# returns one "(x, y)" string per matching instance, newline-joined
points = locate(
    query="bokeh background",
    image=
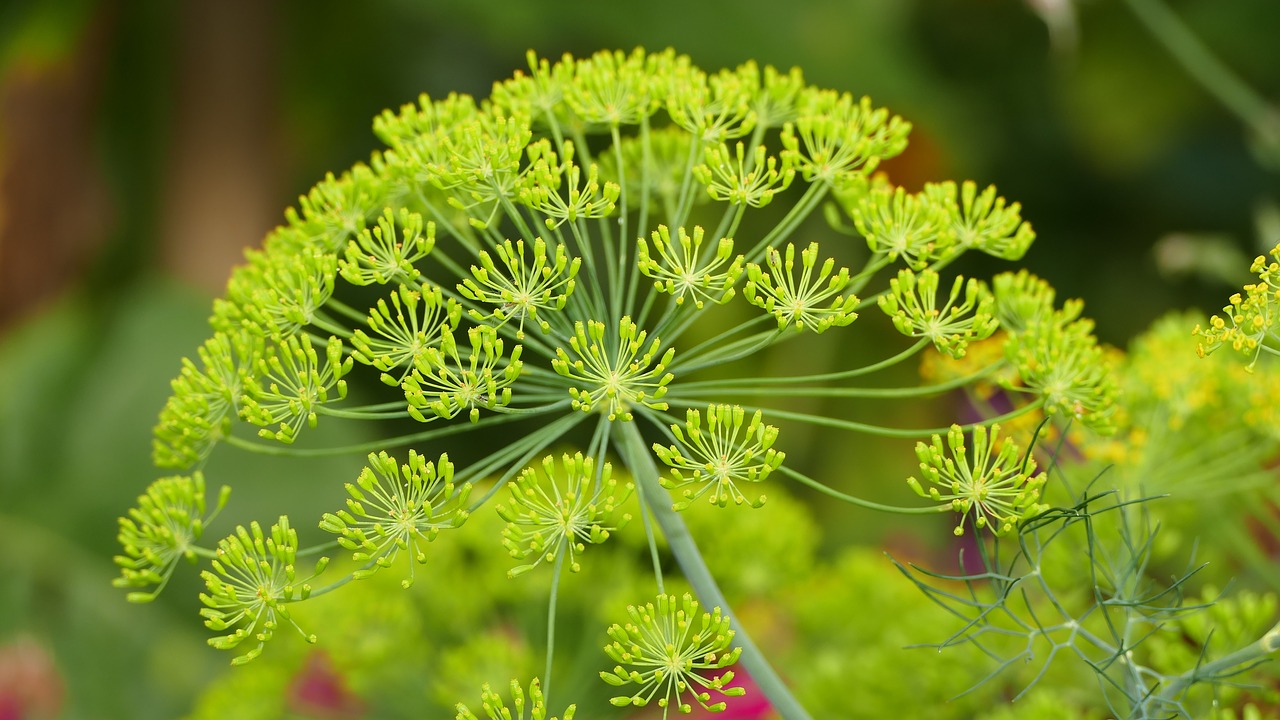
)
(145, 143)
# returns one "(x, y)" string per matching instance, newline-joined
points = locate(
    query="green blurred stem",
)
(825, 377)
(1212, 74)
(635, 453)
(854, 500)
(650, 537)
(326, 589)
(203, 552)
(685, 203)
(349, 312)
(320, 321)
(720, 339)
(874, 265)
(728, 353)
(530, 445)
(314, 549)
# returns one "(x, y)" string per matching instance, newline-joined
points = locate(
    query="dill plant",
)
(1108, 575)
(585, 258)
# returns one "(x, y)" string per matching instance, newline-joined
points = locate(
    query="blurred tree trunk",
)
(221, 160)
(54, 212)
(223, 189)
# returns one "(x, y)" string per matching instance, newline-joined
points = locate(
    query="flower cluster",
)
(1054, 352)
(995, 488)
(679, 274)
(1061, 363)
(712, 461)
(666, 649)
(389, 511)
(614, 376)
(206, 398)
(578, 259)
(814, 301)
(912, 303)
(1250, 325)
(550, 524)
(250, 586)
(163, 529)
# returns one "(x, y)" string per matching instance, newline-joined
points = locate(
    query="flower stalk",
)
(638, 459)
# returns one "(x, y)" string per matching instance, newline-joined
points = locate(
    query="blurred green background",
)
(145, 143)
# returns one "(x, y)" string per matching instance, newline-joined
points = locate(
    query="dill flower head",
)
(600, 254)
(666, 649)
(163, 529)
(1250, 323)
(555, 514)
(394, 509)
(994, 486)
(712, 461)
(251, 584)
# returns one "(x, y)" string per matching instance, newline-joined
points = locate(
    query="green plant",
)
(602, 256)
(1095, 578)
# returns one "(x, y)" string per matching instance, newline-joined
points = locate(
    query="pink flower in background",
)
(752, 706)
(30, 685)
(319, 691)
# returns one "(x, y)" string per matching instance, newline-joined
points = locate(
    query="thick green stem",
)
(1254, 652)
(636, 455)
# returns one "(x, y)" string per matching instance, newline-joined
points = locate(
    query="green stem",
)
(453, 428)
(874, 265)
(720, 339)
(854, 500)
(320, 321)
(685, 202)
(1257, 650)
(731, 383)
(728, 224)
(530, 445)
(592, 303)
(752, 386)
(326, 589)
(650, 537)
(514, 214)
(735, 350)
(351, 313)
(313, 550)
(642, 223)
(868, 428)
(805, 205)
(357, 414)
(639, 460)
(204, 552)
(1207, 69)
(551, 626)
